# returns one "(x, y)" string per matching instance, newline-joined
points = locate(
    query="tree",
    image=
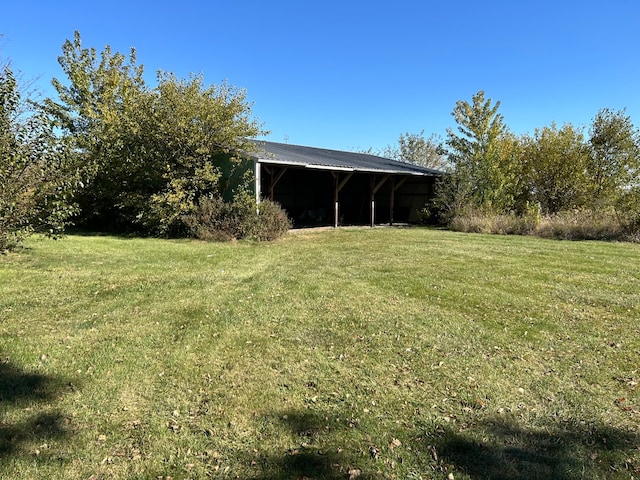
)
(614, 160)
(199, 137)
(416, 149)
(513, 172)
(36, 176)
(481, 167)
(153, 152)
(98, 114)
(557, 161)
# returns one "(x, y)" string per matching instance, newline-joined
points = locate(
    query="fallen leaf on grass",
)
(434, 453)
(354, 472)
(395, 443)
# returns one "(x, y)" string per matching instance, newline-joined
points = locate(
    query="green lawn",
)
(350, 353)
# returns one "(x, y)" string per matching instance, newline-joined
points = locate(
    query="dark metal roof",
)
(320, 158)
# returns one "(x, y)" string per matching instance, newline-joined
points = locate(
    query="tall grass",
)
(572, 225)
(355, 353)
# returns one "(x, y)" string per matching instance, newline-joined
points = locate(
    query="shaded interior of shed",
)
(309, 195)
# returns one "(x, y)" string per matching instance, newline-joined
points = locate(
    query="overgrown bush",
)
(273, 221)
(217, 220)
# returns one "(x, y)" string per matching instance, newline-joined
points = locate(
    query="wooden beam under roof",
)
(338, 185)
(275, 175)
(374, 189)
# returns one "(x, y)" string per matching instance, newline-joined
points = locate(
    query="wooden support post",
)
(373, 202)
(394, 187)
(258, 184)
(374, 189)
(392, 199)
(336, 190)
(337, 186)
(275, 179)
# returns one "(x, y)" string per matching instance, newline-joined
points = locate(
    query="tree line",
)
(113, 153)
(491, 171)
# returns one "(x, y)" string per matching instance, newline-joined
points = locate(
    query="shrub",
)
(217, 220)
(273, 221)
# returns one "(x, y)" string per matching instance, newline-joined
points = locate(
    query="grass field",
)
(350, 353)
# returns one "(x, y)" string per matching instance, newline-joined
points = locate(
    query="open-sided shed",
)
(317, 186)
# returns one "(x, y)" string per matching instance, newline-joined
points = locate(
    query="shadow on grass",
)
(22, 394)
(313, 458)
(493, 449)
(502, 450)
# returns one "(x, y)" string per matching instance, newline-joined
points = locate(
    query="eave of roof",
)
(335, 160)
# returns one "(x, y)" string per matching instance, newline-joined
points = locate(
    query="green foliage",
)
(99, 112)
(496, 175)
(154, 152)
(565, 171)
(36, 176)
(273, 221)
(416, 149)
(481, 155)
(614, 163)
(199, 135)
(450, 198)
(557, 161)
(217, 220)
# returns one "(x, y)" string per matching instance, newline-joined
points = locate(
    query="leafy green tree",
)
(153, 152)
(98, 112)
(199, 138)
(512, 167)
(557, 161)
(36, 176)
(416, 149)
(614, 162)
(481, 168)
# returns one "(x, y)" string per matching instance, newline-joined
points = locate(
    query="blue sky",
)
(352, 75)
